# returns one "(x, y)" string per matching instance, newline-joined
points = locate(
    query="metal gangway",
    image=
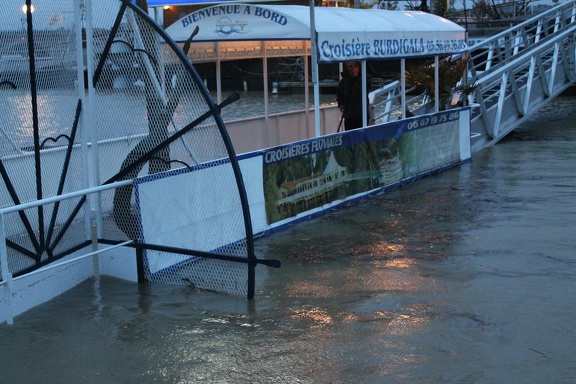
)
(518, 71)
(511, 75)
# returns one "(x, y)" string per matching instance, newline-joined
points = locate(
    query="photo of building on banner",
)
(309, 174)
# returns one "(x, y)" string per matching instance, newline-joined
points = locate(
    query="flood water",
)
(467, 276)
(56, 112)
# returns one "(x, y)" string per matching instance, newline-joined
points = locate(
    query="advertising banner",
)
(333, 46)
(342, 34)
(306, 175)
(229, 22)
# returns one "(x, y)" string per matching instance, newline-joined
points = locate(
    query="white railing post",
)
(89, 116)
(364, 94)
(436, 84)
(500, 108)
(80, 67)
(314, 57)
(517, 42)
(538, 31)
(531, 74)
(6, 275)
(490, 56)
(554, 67)
(403, 87)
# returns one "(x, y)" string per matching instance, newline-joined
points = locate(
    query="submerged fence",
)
(94, 93)
(13, 260)
(135, 128)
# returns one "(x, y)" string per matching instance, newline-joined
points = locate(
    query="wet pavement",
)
(467, 276)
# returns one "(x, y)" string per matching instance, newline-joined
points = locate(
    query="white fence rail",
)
(6, 272)
(514, 73)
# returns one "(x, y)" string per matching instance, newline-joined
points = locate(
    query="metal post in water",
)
(6, 275)
(90, 113)
(95, 247)
(80, 65)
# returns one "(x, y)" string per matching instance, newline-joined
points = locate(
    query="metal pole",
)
(35, 120)
(314, 55)
(90, 113)
(466, 71)
(6, 275)
(140, 266)
(266, 101)
(306, 87)
(78, 5)
(364, 96)
(436, 84)
(403, 86)
(219, 81)
(465, 17)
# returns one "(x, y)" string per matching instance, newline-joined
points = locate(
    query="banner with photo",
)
(302, 176)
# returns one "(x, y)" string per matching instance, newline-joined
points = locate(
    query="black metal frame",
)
(214, 111)
(48, 238)
(35, 122)
(41, 242)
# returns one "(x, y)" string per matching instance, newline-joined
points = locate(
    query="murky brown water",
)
(468, 276)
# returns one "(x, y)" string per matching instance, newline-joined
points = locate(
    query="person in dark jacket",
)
(349, 95)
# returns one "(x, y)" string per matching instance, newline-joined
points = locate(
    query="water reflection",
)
(385, 248)
(318, 317)
(56, 112)
(400, 263)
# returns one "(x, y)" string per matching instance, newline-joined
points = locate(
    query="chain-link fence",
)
(94, 92)
(41, 130)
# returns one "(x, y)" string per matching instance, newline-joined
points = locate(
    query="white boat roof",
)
(342, 33)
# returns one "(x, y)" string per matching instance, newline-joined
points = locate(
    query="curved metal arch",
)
(55, 139)
(214, 111)
(135, 49)
(8, 83)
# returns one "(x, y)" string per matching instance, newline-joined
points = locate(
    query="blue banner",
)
(308, 174)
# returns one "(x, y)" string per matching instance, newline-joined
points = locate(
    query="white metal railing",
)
(519, 70)
(497, 50)
(514, 73)
(6, 274)
(386, 102)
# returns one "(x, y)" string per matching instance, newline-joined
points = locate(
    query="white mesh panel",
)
(45, 101)
(137, 94)
(187, 196)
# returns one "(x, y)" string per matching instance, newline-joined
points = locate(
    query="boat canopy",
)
(342, 33)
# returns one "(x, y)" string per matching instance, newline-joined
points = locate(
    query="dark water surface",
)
(468, 276)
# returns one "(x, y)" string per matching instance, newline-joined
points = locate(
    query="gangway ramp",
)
(519, 70)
